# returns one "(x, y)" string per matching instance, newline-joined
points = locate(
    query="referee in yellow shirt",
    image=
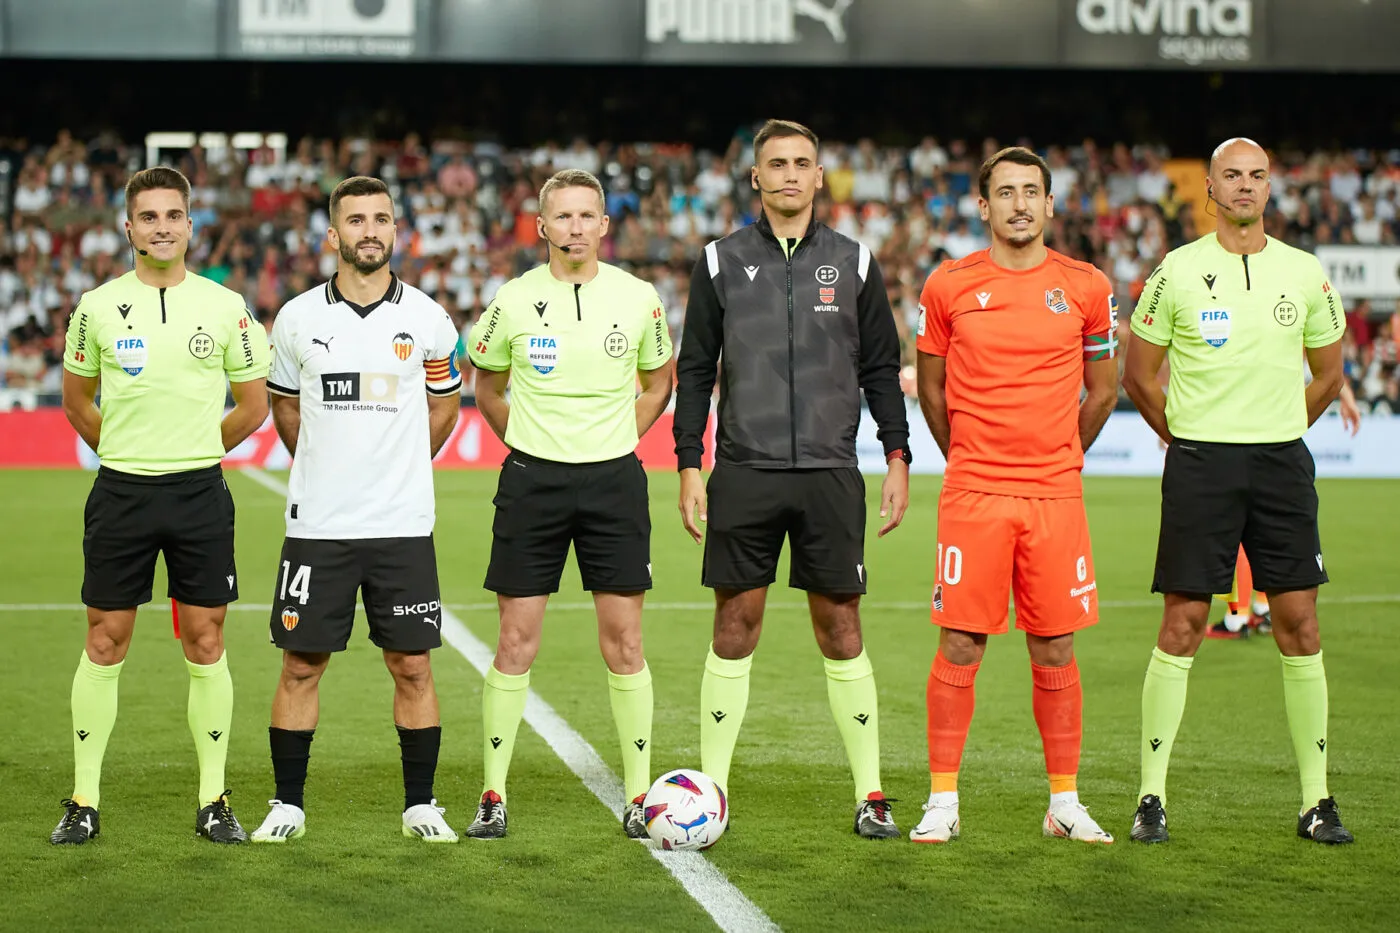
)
(1234, 311)
(572, 339)
(165, 345)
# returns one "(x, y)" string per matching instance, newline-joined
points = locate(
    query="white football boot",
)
(283, 822)
(425, 821)
(1066, 820)
(940, 820)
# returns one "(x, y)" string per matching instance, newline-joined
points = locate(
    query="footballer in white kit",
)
(366, 389)
(360, 509)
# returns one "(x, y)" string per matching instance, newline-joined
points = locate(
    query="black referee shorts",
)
(751, 512)
(129, 519)
(542, 506)
(1217, 496)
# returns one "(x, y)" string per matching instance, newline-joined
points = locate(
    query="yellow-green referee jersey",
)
(573, 352)
(1236, 327)
(165, 356)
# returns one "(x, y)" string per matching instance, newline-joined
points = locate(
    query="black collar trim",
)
(392, 295)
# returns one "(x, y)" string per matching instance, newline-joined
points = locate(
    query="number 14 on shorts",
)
(296, 584)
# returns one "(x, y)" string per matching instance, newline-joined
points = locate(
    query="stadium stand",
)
(467, 220)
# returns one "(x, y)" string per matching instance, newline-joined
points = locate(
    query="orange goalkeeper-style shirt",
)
(1015, 344)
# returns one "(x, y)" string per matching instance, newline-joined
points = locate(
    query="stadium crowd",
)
(467, 221)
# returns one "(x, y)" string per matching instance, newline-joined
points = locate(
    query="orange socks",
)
(950, 701)
(1058, 701)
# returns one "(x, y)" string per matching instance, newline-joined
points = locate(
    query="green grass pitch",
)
(1234, 861)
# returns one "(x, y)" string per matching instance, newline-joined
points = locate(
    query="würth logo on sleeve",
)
(827, 295)
(403, 345)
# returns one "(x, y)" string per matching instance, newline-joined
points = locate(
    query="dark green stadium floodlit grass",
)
(1233, 863)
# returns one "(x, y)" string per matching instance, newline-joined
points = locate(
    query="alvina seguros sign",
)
(1193, 32)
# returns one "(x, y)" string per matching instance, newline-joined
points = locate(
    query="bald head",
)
(1236, 145)
(1238, 181)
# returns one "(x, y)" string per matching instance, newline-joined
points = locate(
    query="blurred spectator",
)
(468, 220)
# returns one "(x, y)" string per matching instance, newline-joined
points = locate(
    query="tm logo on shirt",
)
(543, 353)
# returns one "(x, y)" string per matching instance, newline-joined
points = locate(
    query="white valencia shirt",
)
(363, 466)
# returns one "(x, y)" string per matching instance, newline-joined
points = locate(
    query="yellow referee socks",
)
(850, 688)
(210, 715)
(1305, 699)
(724, 698)
(94, 714)
(1163, 703)
(502, 706)
(631, 708)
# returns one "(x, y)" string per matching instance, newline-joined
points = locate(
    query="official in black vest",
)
(801, 317)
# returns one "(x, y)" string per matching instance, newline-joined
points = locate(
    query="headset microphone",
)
(1210, 193)
(562, 249)
(134, 246)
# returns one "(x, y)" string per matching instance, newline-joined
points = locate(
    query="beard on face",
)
(351, 254)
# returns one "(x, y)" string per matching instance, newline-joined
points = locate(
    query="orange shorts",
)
(990, 545)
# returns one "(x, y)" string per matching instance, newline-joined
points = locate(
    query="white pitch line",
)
(716, 895)
(264, 479)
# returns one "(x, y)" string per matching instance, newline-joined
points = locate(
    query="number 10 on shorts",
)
(949, 569)
(297, 584)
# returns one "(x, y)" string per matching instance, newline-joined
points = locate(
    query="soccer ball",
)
(685, 810)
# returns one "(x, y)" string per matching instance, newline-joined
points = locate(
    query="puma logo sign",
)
(431, 621)
(215, 735)
(82, 735)
(752, 271)
(830, 17)
(863, 718)
(983, 298)
(325, 343)
(495, 741)
(719, 716)
(1155, 743)
(1322, 745)
(641, 744)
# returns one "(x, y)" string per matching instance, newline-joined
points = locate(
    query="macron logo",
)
(752, 271)
(983, 298)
